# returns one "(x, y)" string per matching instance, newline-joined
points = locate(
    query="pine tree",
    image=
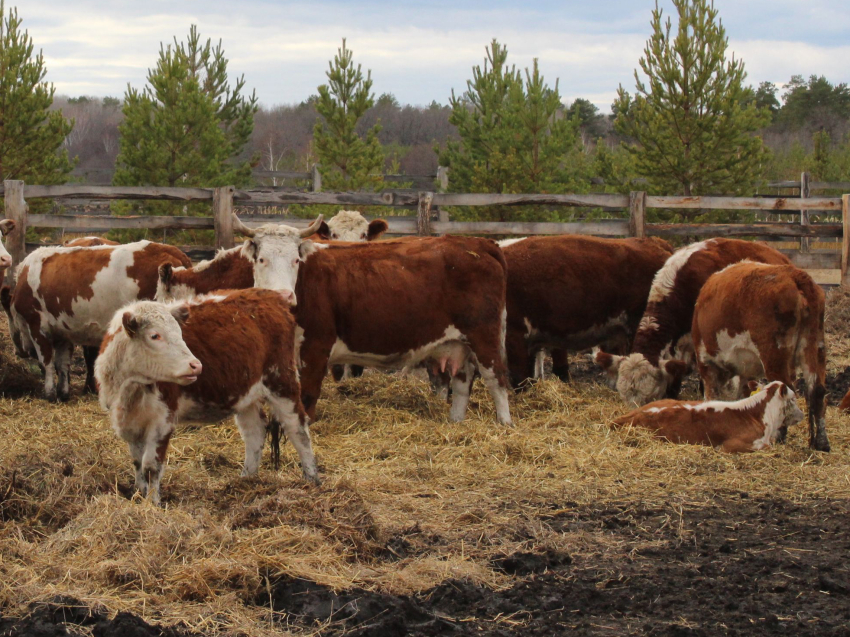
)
(515, 136)
(694, 123)
(31, 136)
(188, 126)
(347, 160)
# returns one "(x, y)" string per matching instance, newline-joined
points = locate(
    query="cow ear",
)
(377, 227)
(753, 386)
(249, 249)
(180, 313)
(324, 231)
(6, 226)
(676, 369)
(306, 249)
(131, 324)
(6, 298)
(165, 273)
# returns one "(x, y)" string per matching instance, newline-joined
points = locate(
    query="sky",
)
(418, 51)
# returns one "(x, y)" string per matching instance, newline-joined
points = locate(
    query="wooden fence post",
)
(637, 214)
(804, 214)
(16, 210)
(222, 208)
(423, 216)
(442, 186)
(845, 240)
(317, 179)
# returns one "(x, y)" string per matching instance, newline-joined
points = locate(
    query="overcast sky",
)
(419, 51)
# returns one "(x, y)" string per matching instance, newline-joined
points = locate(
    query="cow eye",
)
(334, 236)
(262, 260)
(363, 236)
(156, 337)
(295, 261)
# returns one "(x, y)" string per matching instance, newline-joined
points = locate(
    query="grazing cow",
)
(748, 424)
(649, 373)
(572, 292)
(219, 354)
(390, 304)
(754, 320)
(67, 296)
(89, 353)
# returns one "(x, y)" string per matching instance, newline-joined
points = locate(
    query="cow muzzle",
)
(5, 261)
(190, 377)
(288, 296)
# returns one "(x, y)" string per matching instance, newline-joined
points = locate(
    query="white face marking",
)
(504, 243)
(277, 252)
(348, 225)
(665, 278)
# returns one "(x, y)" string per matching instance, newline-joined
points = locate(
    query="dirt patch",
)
(737, 567)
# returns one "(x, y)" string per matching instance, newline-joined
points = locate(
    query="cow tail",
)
(274, 441)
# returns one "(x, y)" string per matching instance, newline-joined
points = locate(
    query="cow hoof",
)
(313, 479)
(64, 398)
(90, 389)
(51, 398)
(821, 445)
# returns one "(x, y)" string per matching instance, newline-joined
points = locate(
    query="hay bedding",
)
(445, 525)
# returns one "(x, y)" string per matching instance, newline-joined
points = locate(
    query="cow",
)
(6, 226)
(572, 292)
(89, 353)
(222, 354)
(350, 225)
(391, 305)
(67, 296)
(754, 320)
(662, 353)
(748, 424)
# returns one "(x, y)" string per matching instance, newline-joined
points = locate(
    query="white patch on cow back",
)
(648, 323)
(504, 243)
(665, 278)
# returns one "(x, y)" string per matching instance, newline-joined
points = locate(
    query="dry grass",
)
(394, 467)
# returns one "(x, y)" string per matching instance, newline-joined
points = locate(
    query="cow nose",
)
(5, 261)
(196, 366)
(288, 296)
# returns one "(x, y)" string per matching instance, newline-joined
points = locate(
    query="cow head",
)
(277, 251)
(639, 381)
(782, 410)
(145, 344)
(350, 225)
(6, 226)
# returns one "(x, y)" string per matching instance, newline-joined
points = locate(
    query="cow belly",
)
(342, 354)
(612, 333)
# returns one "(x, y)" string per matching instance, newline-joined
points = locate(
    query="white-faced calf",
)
(230, 353)
(748, 424)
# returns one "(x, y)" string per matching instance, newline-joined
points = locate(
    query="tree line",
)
(690, 124)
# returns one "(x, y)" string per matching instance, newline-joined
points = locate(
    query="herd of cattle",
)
(258, 326)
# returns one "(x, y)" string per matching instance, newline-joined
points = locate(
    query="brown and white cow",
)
(650, 371)
(350, 225)
(754, 320)
(573, 292)
(391, 305)
(219, 354)
(67, 296)
(6, 226)
(748, 424)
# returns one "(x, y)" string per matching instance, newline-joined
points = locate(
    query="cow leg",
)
(62, 363)
(710, 375)
(815, 375)
(149, 452)
(137, 452)
(90, 356)
(45, 357)
(338, 372)
(252, 427)
(356, 370)
(540, 364)
(461, 388)
(560, 365)
(440, 382)
(296, 430)
(314, 362)
(499, 392)
(489, 351)
(519, 361)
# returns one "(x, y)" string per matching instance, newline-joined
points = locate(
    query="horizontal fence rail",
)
(426, 218)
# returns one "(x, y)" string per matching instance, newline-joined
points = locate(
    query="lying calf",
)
(748, 424)
(233, 354)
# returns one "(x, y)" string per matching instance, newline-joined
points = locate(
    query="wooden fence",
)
(423, 223)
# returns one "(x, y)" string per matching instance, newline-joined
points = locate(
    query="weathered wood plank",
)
(280, 174)
(487, 199)
(16, 210)
(101, 223)
(423, 215)
(119, 192)
(814, 260)
(222, 209)
(743, 203)
(387, 198)
(743, 230)
(845, 241)
(612, 228)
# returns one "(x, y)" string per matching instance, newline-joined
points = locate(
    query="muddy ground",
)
(738, 567)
